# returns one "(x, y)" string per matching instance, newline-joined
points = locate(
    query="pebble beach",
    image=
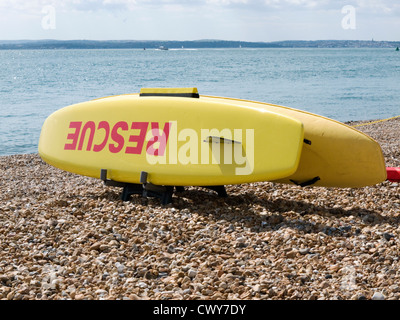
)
(65, 236)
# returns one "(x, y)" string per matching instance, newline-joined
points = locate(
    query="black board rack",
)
(147, 189)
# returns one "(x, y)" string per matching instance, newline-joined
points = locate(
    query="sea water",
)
(342, 84)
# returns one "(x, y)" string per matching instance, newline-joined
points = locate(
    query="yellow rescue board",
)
(334, 155)
(175, 136)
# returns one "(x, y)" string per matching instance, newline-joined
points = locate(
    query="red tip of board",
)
(393, 174)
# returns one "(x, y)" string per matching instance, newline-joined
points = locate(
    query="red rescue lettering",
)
(116, 138)
(102, 125)
(157, 137)
(73, 136)
(139, 139)
(88, 125)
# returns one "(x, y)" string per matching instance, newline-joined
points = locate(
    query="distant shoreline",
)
(195, 44)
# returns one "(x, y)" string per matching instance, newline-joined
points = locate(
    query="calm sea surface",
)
(342, 84)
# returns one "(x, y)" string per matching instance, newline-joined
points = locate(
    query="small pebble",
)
(304, 251)
(378, 296)
(387, 236)
(192, 273)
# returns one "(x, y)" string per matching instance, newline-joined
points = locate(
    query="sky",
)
(243, 20)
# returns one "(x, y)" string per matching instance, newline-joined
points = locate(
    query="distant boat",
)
(162, 48)
(397, 49)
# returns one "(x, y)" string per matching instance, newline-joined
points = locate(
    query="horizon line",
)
(221, 40)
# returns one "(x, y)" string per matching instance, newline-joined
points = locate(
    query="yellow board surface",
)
(336, 155)
(179, 141)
